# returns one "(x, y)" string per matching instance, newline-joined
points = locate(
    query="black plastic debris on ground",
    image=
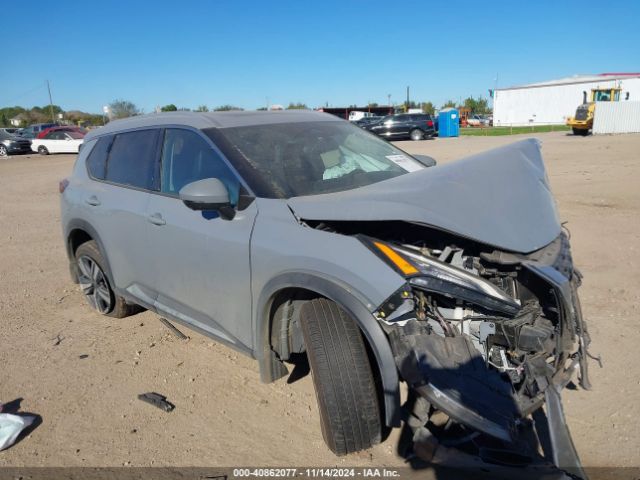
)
(157, 400)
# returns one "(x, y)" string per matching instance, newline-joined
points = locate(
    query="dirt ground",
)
(224, 416)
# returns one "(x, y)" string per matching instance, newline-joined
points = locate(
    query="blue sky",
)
(341, 52)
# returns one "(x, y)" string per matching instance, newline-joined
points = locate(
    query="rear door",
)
(401, 125)
(200, 264)
(125, 168)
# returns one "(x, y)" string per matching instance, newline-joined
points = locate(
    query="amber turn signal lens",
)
(404, 266)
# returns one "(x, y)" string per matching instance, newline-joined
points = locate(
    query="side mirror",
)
(426, 160)
(208, 194)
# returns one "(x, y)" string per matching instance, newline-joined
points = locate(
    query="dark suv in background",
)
(416, 126)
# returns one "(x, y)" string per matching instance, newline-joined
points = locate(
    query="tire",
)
(350, 415)
(95, 284)
(3, 151)
(42, 150)
(416, 134)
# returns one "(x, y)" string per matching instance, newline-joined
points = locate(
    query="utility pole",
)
(407, 109)
(389, 99)
(53, 120)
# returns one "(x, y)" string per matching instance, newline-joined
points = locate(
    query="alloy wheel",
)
(94, 285)
(3, 151)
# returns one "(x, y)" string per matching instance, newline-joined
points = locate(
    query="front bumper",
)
(17, 149)
(451, 374)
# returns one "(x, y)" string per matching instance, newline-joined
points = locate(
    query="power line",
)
(8, 102)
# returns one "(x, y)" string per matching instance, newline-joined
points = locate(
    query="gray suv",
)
(296, 236)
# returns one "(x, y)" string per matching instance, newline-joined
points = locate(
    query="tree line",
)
(28, 116)
(475, 105)
(124, 108)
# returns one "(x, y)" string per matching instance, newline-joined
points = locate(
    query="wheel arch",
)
(78, 232)
(271, 368)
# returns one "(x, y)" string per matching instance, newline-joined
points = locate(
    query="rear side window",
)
(133, 160)
(97, 161)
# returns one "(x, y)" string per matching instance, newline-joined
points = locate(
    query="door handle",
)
(156, 219)
(93, 201)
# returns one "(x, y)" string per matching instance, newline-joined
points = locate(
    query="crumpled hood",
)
(500, 198)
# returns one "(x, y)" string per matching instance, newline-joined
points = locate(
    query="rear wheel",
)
(95, 286)
(3, 151)
(42, 150)
(416, 134)
(343, 378)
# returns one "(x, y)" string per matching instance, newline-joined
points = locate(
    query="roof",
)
(203, 120)
(602, 77)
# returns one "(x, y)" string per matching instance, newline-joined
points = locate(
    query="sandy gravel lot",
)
(224, 416)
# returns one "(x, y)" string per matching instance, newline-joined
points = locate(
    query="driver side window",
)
(187, 157)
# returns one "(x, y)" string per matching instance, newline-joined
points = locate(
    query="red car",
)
(68, 128)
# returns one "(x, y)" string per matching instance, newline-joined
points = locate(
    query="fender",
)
(270, 366)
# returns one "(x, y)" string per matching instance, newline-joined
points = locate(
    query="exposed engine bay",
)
(484, 336)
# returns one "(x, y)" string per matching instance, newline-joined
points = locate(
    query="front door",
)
(200, 261)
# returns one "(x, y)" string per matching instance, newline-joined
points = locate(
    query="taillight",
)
(429, 123)
(62, 186)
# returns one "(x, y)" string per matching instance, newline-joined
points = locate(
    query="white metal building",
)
(553, 101)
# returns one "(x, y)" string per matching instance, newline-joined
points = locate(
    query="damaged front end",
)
(487, 328)
(485, 338)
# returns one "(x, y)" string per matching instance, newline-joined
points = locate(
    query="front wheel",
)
(3, 151)
(42, 150)
(343, 378)
(416, 134)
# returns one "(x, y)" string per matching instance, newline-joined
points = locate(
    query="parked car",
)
(58, 142)
(477, 121)
(285, 234)
(10, 144)
(368, 120)
(66, 128)
(415, 126)
(356, 115)
(32, 131)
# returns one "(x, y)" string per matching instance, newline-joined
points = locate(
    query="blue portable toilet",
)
(449, 123)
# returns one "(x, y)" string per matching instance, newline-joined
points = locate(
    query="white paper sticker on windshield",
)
(405, 162)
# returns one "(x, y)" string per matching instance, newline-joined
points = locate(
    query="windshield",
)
(295, 159)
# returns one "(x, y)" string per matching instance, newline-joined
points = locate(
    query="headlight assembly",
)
(435, 276)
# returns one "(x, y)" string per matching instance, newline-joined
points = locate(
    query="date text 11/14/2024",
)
(316, 472)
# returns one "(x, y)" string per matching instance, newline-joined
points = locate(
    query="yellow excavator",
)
(583, 121)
